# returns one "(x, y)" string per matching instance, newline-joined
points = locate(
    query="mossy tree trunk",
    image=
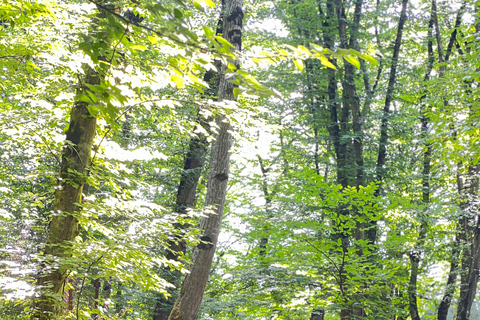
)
(64, 226)
(67, 206)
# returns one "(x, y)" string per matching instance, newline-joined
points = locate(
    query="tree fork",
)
(193, 287)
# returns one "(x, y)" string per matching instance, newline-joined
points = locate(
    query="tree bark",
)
(185, 199)
(193, 287)
(416, 252)
(471, 236)
(456, 249)
(68, 196)
(67, 206)
(318, 314)
(74, 168)
(187, 191)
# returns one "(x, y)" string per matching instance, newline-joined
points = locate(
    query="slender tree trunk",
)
(186, 195)
(193, 287)
(318, 314)
(456, 248)
(416, 253)
(382, 149)
(451, 280)
(471, 254)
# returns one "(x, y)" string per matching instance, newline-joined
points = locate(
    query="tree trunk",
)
(471, 253)
(187, 191)
(382, 149)
(67, 208)
(185, 199)
(75, 163)
(193, 287)
(318, 314)
(416, 253)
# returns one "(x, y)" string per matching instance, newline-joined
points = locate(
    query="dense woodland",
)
(240, 159)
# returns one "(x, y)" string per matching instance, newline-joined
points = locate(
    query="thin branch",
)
(119, 16)
(324, 254)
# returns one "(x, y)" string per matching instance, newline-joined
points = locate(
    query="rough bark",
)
(471, 252)
(456, 249)
(470, 224)
(418, 248)
(186, 194)
(185, 199)
(74, 168)
(318, 315)
(350, 96)
(67, 206)
(193, 287)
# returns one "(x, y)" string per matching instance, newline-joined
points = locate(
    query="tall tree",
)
(193, 287)
(68, 195)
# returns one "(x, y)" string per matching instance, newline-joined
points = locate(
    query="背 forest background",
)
(351, 192)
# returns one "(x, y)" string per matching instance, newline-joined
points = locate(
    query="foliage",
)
(287, 248)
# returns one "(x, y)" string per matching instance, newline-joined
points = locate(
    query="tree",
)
(193, 287)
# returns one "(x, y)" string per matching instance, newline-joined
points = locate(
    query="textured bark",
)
(186, 195)
(318, 315)
(451, 280)
(67, 208)
(76, 158)
(470, 228)
(412, 286)
(419, 244)
(193, 287)
(185, 199)
(471, 223)
(350, 96)
(456, 249)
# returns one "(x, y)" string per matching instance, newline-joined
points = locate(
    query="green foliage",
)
(289, 244)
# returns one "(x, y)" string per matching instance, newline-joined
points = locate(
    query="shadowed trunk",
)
(371, 233)
(185, 199)
(75, 163)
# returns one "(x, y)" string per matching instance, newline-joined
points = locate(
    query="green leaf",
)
(178, 81)
(198, 6)
(236, 92)
(316, 47)
(353, 61)
(139, 47)
(224, 42)
(178, 14)
(209, 3)
(299, 64)
(208, 32)
(354, 52)
(369, 59)
(153, 39)
(326, 62)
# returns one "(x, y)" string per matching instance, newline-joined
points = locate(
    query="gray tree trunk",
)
(193, 287)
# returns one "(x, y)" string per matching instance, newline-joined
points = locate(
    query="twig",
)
(325, 255)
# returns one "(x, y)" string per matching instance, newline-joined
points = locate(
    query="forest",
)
(240, 159)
